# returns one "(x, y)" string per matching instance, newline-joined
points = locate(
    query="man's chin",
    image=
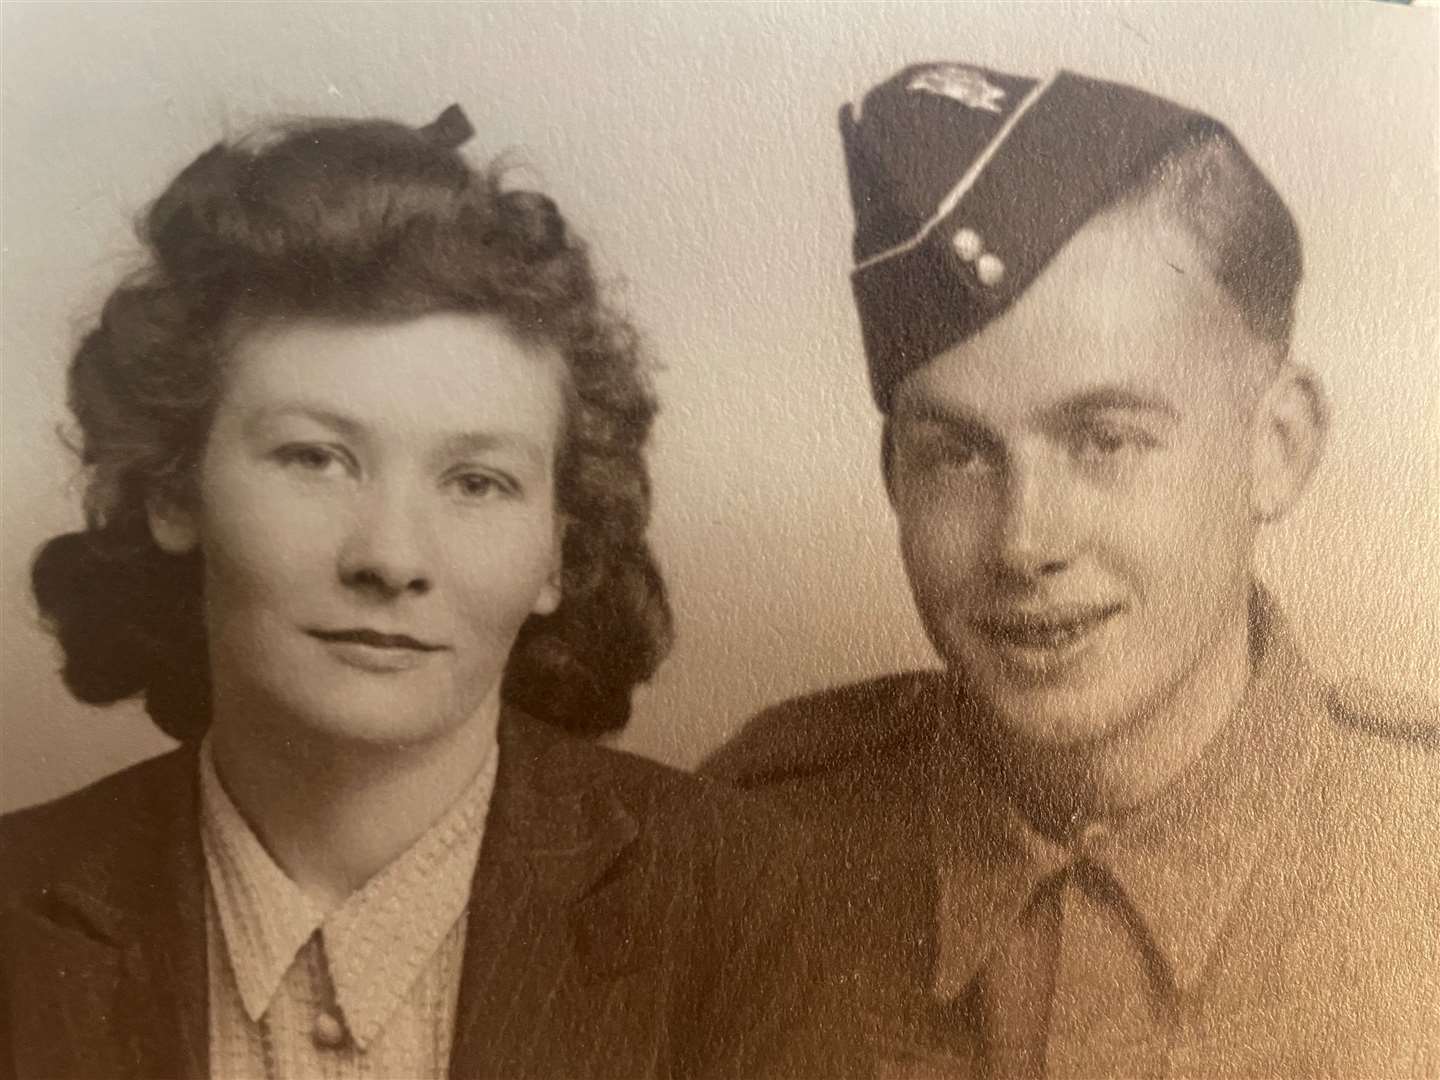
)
(1051, 718)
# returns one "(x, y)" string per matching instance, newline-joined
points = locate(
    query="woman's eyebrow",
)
(345, 425)
(481, 442)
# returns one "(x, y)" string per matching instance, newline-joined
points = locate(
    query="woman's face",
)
(376, 512)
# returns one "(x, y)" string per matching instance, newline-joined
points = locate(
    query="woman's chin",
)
(369, 723)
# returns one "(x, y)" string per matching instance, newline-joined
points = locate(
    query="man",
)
(1126, 832)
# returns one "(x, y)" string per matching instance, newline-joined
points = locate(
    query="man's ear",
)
(1292, 422)
(172, 527)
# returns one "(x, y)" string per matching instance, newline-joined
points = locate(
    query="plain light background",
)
(697, 148)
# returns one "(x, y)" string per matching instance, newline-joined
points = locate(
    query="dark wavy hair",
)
(349, 219)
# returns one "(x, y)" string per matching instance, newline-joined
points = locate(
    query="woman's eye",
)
(309, 457)
(483, 485)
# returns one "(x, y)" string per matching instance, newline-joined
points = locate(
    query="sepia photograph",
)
(658, 540)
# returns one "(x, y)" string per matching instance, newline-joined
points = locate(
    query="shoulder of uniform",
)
(1389, 747)
(667, 802)
(1385, 771)
(1403, 719)
(818, 732)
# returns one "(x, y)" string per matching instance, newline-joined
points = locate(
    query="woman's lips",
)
(377, 652)
(376, 638)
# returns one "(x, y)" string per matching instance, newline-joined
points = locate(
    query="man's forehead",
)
(1127, 305)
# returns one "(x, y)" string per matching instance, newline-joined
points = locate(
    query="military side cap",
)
(966, 182)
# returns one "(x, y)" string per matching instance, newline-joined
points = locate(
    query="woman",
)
(365, 528)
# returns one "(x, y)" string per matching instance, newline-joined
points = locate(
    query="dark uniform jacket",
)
(626, 920)
(1284, 892)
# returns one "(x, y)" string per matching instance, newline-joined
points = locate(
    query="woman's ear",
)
(553, 590)
(549, 596)
(1292, 421)
(172, 527)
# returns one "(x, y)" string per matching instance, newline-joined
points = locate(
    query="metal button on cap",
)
(328, 1032)
(967, 244)
(989, 269)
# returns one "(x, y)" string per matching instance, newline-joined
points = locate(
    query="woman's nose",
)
(384, 552)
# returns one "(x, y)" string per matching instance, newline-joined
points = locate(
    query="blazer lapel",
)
(540, 898)
(170, 972)
(110, 957)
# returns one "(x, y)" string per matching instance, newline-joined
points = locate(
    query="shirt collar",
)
(377, 942)
(1182, 860)
(989, 859)
(265, 917)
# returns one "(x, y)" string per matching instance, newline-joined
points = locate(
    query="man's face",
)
(1073, 485)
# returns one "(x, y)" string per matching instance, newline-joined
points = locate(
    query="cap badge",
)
(959, 83)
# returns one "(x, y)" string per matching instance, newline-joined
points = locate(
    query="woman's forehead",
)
(446, 371)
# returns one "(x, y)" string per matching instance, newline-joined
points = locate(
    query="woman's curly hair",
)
(351, 219)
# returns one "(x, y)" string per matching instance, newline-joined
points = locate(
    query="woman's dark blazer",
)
(626, 920)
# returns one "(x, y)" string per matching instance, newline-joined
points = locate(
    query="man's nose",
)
(384, 551)
(1035, 533)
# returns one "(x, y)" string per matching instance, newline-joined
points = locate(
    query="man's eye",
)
(947, 454)
(1104, 442)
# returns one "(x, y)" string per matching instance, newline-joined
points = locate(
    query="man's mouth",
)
(1045, 630)
(375, 639)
